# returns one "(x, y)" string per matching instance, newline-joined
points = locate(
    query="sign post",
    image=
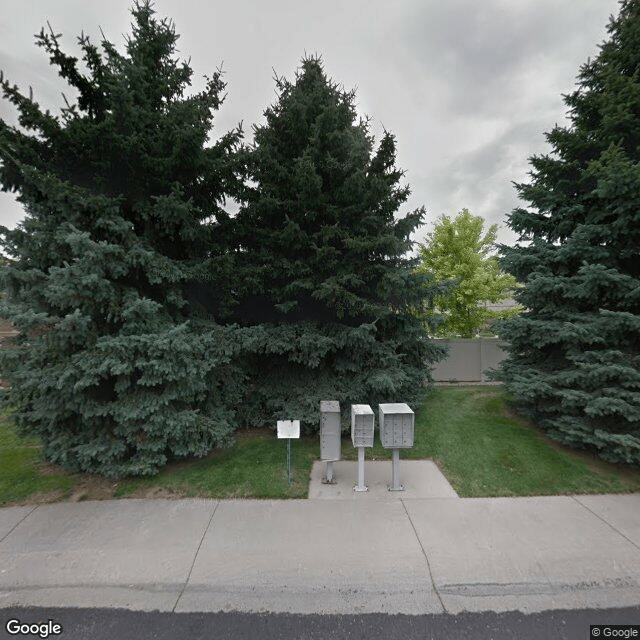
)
(288, 429)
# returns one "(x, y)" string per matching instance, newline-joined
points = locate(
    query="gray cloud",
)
(468, 88)
(484, 58)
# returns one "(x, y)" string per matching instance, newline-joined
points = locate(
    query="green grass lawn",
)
(481, 448)
(20, 473)
(485, 451)
(256, 467)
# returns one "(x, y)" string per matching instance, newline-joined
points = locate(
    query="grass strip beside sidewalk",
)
(21, 474)
(482, 449)
(256, 467)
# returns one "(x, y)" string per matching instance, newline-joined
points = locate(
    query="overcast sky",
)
(467, 86)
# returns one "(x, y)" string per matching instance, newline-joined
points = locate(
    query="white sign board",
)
(288, 428)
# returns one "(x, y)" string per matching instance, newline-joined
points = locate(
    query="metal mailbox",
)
(330, 431)
(362, 425)
(396, 425)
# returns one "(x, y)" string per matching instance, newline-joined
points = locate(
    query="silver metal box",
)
(396, 425)
(330, 431)
(362, 425)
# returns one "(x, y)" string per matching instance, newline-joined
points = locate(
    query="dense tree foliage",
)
(152, 324)
(321, 270)
(574, 360)
(459, 250)
(114, 369)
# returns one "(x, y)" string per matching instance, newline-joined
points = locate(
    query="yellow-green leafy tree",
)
(460, 250)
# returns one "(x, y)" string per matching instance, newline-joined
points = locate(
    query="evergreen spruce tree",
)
(117, 368)
(324, 289)
(574, 362)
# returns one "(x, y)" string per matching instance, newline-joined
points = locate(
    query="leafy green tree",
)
(574, 362)
(117, 368)
(460, 251)
(323, 285)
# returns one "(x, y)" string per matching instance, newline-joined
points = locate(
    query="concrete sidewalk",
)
(404, 553)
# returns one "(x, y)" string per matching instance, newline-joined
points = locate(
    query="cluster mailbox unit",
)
(396, 421)
(330, 436)
(362, 429)
(396, 432)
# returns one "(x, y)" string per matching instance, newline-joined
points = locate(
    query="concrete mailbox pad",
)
(422, 479)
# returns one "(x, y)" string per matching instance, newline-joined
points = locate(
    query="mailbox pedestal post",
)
(395, 471)
(361, 486)
(328, 479)
(396, 432)
(362, 427)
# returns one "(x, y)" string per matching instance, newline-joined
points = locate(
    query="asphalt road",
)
(120, 624)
